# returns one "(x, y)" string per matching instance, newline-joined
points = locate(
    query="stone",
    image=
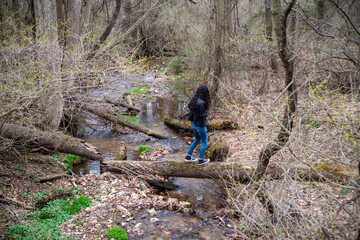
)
(173, 200)
(152, 212)
(138, 225)
(188, 210)
(154, 220)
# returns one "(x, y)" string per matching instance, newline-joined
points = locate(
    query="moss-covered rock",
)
(122, 154)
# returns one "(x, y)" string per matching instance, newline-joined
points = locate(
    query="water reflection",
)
(87, 167)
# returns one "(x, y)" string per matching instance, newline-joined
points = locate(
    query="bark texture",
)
(73, 14)
(185, 125)
(52, 141)
(241, 172)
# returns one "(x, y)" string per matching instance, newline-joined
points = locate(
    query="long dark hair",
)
(203, 93)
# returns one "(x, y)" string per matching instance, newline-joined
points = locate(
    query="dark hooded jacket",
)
(199, 115)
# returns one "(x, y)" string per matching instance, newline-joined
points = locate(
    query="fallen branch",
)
(52, 177)
(52, 141)
(242, 172)
(125, 122)
(118, 103)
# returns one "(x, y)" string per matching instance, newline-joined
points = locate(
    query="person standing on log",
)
(199, 105)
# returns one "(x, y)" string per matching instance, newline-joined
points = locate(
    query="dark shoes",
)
(190, 159)
(203, 161)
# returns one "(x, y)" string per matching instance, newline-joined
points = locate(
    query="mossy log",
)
(185, 125)
(119, 103)
(125, 122)
(52, 141)
(242, 172)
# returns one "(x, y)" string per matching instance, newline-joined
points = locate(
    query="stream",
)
(205, 195)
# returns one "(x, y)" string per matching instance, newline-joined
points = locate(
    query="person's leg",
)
(202, 131)
(196, 141)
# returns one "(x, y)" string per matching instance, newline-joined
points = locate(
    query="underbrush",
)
(44, 223)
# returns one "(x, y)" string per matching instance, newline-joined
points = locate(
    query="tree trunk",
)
(185, 125)
(269, 29)
(107, 31)
(280, 21)
(123, 121)
(241, 172)
(136, 24)
(126, 21)
(218, 55)
(52, 141)
(86, 16)
(60, 11)
(73, 14)
(50, 58)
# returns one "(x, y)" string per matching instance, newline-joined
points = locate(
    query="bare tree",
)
(219, 7)
(287, 59)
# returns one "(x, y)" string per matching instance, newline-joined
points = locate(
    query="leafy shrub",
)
(143, 148)
(71, 159)
(116, 233)
(44, 224)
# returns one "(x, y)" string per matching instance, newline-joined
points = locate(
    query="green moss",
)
(116, 233)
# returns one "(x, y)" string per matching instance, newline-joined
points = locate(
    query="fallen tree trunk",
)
(242, 172)
(185, 125)
(52, 177)
(118, 103)
(123, 121)
(52, 141)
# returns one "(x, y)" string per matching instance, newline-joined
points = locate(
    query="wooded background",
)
(289, 68)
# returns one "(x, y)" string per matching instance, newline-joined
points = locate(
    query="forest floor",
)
(117, 200)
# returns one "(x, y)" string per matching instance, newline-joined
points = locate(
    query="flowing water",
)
(205, 195)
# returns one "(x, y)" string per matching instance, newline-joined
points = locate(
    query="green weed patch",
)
(44, 224)
(116, 233)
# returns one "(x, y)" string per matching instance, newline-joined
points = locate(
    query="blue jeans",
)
(200, 135)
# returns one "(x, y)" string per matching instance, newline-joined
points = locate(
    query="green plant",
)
(140, 90)
(116, 233)
(143, 148)
(19, 168)
(175, 66)
(31, 175)
(72, 159)
(44, 224)
(40, 195)
(130, 118)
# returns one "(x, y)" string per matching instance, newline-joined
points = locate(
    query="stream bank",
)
(172, 220)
